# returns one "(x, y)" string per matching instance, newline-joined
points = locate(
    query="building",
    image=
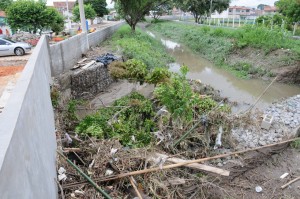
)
(63, 6)
(4, 28)
(269, 10)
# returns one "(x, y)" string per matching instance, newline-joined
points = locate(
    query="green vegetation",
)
(139, 45)
(89, 12)
(130, 121)
(31, 15)
(217, 43)
(290, 9)
(134, 11)
(4, 4)
(98, 5)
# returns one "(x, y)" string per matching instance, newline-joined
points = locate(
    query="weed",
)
(129, 121)
(54, 96)
(296, 144)
(141, 46)
(216, 44)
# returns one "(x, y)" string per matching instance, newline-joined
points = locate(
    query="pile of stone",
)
(287, 112)
(286, 119)
(90, 81)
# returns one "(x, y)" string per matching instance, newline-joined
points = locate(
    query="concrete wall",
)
(65, 54)
(27, 133)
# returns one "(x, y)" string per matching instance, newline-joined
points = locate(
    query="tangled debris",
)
(108, 145)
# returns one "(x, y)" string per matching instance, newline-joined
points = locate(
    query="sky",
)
(249, 3)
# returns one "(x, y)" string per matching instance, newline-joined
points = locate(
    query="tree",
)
(159, 8)
(4, 4)
(88, 11)
(98, 5)
(134, 11)
(200, 8)
(31, 15)
(54, 20)
(290, 9)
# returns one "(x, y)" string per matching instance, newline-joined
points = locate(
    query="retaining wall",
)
(27, 133)
(65, 54)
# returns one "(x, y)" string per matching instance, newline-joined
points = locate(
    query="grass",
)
(141, 46)
(216, 44)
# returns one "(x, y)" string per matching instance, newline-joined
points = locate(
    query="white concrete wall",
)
(27, 134)
(65, 54)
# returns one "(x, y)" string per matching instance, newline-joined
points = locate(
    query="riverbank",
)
(248, 53)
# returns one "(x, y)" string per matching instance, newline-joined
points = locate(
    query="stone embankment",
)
(286, 121)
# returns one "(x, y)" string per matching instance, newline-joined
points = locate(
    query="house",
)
(239, 12)
(269, 10)
(63, 6)
(236, 12)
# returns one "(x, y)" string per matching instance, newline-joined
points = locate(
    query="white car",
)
(9, 47)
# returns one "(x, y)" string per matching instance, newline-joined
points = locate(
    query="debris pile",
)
(107, 58)
(26, 37)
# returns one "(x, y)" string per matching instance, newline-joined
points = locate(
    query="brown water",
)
(235, 89)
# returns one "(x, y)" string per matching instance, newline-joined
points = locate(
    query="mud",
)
(281, 62)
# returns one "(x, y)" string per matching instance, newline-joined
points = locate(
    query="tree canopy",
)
(200, 8)
(290, 9)
(134, 11)
(88, 11)
(4, 4)
(98, 5)
(31, 15)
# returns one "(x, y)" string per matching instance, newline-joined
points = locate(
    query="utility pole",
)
(69, 22)
(82, 16)
(210, 10)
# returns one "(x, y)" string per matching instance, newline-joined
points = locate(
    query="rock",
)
(219, 164)
(262, 143)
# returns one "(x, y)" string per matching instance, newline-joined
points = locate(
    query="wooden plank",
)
(89, 64)
(198, 166)
(81, 61)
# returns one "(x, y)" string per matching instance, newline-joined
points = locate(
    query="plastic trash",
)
(106, 59)
(258, 189)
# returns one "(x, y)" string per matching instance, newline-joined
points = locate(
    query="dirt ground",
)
(14, 60)
(280, 62)
(265, 171)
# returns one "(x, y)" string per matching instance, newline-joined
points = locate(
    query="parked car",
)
(9, 47)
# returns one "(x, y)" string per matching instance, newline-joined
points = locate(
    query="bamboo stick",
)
(122, 175)
(290, 182)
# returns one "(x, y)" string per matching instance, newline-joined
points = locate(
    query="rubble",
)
(26, 37)
(286, 116)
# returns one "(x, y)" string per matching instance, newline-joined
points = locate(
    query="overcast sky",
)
(250, 3)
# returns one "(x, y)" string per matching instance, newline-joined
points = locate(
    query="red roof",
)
(270, 8)
(2, 14)
(239, 7)
(64, 4)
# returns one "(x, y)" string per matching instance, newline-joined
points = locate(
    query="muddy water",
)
(240, 90)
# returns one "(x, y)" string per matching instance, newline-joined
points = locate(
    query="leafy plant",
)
(180, 100)
(31, 15)
(158, 75)
(129, 120)
(89, 12)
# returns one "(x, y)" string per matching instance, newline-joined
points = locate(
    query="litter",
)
(258, 189)
(106, 59)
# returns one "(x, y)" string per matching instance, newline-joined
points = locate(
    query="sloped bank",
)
(250, 52)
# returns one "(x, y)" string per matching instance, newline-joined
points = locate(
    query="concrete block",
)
(266, 122)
